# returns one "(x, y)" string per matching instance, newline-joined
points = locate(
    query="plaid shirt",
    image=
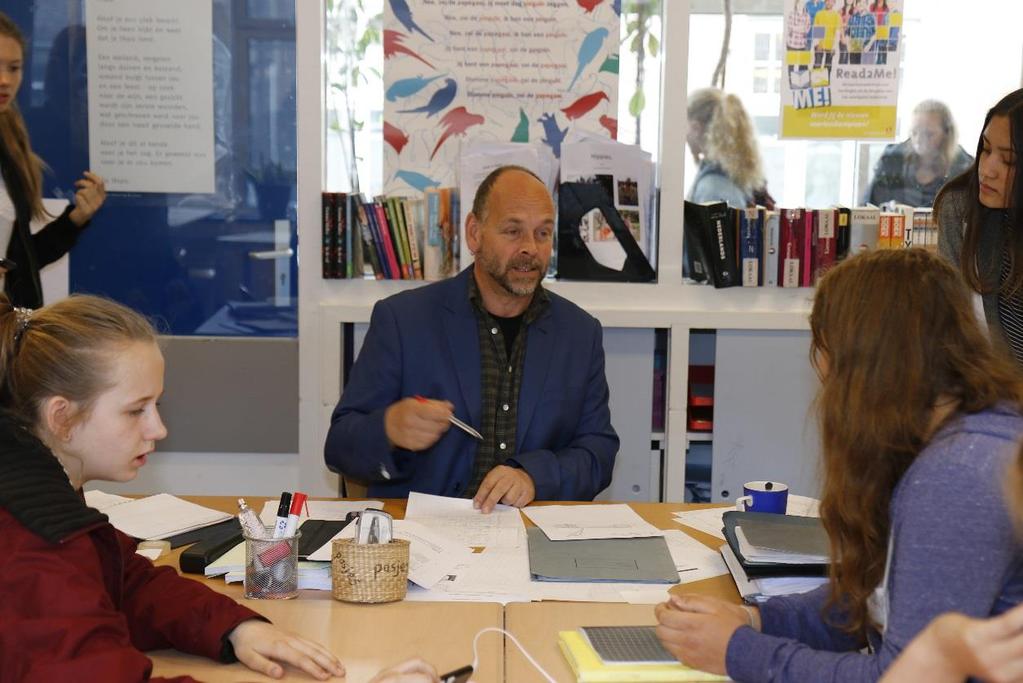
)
(501, 378)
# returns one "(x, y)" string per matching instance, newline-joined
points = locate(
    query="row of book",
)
(756, 247)
(400, 238)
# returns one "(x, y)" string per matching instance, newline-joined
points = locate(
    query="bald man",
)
(492, 347)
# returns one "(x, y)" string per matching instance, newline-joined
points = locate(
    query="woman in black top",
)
(980, 228)
(21, 191)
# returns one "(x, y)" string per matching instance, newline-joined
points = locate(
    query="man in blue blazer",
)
(494, 348)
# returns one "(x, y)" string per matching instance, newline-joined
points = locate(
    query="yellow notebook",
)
(589, 668)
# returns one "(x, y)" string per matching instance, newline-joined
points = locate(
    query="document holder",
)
(317, 533)
(797, 525)
(210, 548)
(575, 262)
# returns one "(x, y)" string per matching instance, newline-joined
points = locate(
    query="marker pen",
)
(297, 503)
(280, 528)
(250, 522)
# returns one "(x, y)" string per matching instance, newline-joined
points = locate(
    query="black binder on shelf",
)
(710, 244)
(783, 525)
(575, 262)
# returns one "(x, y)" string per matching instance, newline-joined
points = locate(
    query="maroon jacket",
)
(76, 601)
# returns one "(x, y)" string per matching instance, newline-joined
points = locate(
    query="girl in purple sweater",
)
(919, 417)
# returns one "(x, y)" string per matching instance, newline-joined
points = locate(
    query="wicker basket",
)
(369, 572)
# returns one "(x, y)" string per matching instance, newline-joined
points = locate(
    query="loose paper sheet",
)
(160, 516)
(579, 522)
(455, 517)
(151, 94)
(103, 501)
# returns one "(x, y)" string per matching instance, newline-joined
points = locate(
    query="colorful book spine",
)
(327, 218)
(412, 228)
(826, 222)
(809, 246)
(772, 223)
(749, 246)
(340, 265)
(789, 245)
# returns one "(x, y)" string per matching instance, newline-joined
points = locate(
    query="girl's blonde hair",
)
(729, 138)
(64, 349)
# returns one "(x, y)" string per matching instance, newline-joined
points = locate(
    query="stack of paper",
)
(761, 543)
(759, 590)
(155, 517)
(579, 522)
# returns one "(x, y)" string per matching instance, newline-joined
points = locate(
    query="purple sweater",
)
(954, 550)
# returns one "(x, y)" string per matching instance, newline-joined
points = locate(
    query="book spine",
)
(327, 217)
(842, 235)
(397, 204)
(368, 242)
(389, 249)
(809, 245)
(790, 240)
(392, 234)
(748, 248)
(412, 233)
(772, 224)
(898, 230)
(884, 231)
(824, 253)
(723, 245)
(341, 236)
(378, 239)
(863, 230)
(695, 244)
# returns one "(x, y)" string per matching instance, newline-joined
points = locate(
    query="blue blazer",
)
(426, 342)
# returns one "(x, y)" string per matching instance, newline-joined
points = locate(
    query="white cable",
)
(476, 657)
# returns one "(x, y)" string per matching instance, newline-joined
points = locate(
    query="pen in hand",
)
(455, 421)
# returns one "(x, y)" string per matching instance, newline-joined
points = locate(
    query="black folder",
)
(791, 524)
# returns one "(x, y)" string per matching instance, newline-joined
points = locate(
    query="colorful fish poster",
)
(492, 71)
(841, 75)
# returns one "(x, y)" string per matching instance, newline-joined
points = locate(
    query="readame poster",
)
(151, 94)
(842, 68)
(493, 71)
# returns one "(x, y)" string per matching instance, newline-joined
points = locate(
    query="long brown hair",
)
(968, 182)
(64, 349)
(23, 171)
(893, 331)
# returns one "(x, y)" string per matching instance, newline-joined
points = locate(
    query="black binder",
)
(575, 262)
(791, 523)
(217, 541)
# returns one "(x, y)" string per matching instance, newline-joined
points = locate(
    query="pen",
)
(455, 421)
(281, 527)
(297, 503)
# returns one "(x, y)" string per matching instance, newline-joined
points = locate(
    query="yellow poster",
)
(842, 73)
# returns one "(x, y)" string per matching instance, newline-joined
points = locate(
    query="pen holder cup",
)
(271, 567)
(369, 572)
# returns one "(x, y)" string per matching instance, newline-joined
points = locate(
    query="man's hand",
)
(416, 424)
(503, 484)
(259, 646)
(90, 195)
(696, 629)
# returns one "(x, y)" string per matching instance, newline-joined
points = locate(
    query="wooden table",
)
(370, 637)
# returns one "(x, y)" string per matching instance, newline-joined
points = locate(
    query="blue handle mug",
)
(763, 496)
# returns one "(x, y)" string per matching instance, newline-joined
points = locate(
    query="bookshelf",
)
(324, 305)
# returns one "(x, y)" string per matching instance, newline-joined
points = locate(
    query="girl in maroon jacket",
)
(79, 384)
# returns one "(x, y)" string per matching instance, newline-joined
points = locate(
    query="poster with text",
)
(151, 94)
(492, 71)
(841, 69)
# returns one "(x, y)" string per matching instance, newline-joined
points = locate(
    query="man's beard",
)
(501, 276)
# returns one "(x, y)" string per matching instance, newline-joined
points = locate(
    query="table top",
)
(370, 637)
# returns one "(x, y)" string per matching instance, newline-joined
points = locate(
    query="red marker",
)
(298, 501)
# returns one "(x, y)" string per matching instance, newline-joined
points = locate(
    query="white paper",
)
(102, 501)
(694, 560)
(334, 510)
(150, 92)
(578, 522)
(160, 516)
(432, 555)
(494, 575)
(456, 517)
(311, 576)
(151, 553)
(231, 561)
(709, 520)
